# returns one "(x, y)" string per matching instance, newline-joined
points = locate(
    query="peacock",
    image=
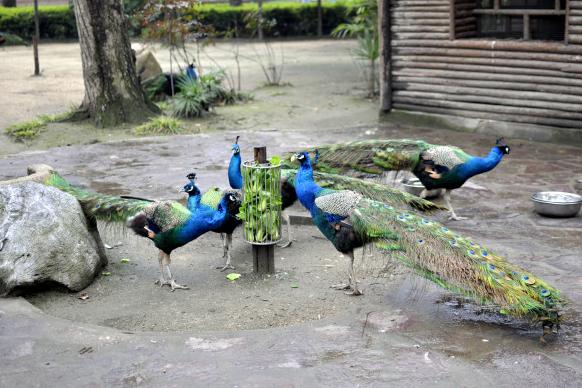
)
(436, 166)
(289, 197)
(168, 224)
(457, 263)
(209, 201)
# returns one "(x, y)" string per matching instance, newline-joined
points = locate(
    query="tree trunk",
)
(385, 64)
(113, 94)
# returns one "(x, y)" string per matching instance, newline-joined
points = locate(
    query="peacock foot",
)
(285, 245)
(223, 268)
(175, 286)
(457, 218)
(162, 282)
(355, 292)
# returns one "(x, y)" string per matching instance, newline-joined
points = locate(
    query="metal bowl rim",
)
(534, 199)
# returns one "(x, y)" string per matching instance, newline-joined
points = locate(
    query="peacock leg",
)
(162, 281)
(224, 245)
(228, 244)
(352, 276)
(423, 194)
(287, 219)
(166, 261)
(453, 216)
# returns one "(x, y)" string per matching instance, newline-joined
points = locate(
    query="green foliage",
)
(197, 96)
(161, 125)
(292, 19)
(261, 207)
(29, 130)
(13, 40)
(56, 22)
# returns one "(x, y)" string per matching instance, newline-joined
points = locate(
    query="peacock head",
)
(504, 148)
(235, 147)
(231, 200)
(191, 187)
(302, 158)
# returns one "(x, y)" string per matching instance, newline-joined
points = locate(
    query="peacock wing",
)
(166, 215)
(455, 262)
(212, 197)
(368, 189)
(445, 156)
(337, 205)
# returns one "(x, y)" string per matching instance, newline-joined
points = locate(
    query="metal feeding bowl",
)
(415, 187)
(556, 203)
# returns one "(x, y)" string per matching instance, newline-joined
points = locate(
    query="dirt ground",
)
(312, 69)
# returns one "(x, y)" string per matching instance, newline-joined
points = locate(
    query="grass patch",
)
(29, 130)
(161, 125)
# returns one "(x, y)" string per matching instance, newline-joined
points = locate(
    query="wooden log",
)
(485, 54)
(420, 35)
(575, 39)
(420, 22)
(385, 56)
(566, 103)
(502, 105)
(503, 45)
(419, 28)
(419, 15)
(477, 76)
(486, 115)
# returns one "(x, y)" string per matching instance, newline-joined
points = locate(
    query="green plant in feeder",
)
(261, 207)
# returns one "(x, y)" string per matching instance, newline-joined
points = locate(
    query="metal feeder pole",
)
(263, 255)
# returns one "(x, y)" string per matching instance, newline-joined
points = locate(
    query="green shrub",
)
(292, 19)
(28, 130)
(161, 125)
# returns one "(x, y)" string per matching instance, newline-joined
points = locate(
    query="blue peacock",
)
(340, 182)
(210, 201)
(454, 262)
(436, 166)
(168, 224)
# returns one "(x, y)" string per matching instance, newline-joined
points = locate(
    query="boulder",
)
(147, 66)
(46, 238)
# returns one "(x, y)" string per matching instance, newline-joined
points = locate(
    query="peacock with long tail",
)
(168, 224)
(457, 263)
(436, 166)
(334, 181)
(210, 201)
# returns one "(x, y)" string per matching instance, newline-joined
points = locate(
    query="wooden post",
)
(319, 19)
(36, 38)
(385, 56)
(263, 255)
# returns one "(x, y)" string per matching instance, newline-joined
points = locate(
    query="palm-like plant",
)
(364, 26)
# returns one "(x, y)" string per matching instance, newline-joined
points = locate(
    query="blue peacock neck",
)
(305, 186)
(194, 198)
(477, 165)
(234, 174)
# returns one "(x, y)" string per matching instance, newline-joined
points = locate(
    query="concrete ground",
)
(401, 332)
(262, 331)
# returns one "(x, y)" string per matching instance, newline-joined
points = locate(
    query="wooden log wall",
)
(438, 69)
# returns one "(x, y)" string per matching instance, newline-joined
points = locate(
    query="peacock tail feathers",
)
(455, 262)
(369, 156)
(368, 189)
(103, 207)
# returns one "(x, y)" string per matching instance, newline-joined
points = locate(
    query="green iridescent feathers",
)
(368, 189)
(455, 262)
(376, 156)
(103, 207)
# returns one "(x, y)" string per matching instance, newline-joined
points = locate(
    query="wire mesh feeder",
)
(261, 207)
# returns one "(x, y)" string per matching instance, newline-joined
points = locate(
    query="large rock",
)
(45, 237)
(147, 66)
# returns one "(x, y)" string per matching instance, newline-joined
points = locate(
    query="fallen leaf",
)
(83, 296)
(294, 285)
(233, 276)
(124, 261)
(106, 273)
(107, 246)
